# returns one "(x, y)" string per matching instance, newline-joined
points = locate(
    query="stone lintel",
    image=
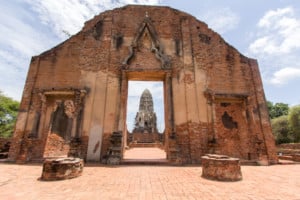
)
(226, 97)
(146, 75)
(63, 92)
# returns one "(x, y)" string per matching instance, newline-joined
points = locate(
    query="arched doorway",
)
(162, 76)
(145, 122)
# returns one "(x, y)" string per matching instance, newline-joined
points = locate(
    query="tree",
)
(281, 129)
(270, 107)
(8, 115)
(294, 121)
(277, 109)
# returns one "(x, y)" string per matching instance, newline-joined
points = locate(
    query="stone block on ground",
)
(62, 168)
(221, 168)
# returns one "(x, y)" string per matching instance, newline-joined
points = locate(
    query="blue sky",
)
(267, 30)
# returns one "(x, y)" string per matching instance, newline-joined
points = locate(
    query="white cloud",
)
(25, 33)
(284, 75)
(12, 74)
(18, 35)
(70, 15)
(277, 45)
(19, 40)
(221, 20)
(279, 32)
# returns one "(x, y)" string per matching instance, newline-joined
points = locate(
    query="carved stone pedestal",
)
(61, 168)
(221, 168)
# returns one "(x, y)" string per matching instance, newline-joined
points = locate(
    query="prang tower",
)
(145, 120)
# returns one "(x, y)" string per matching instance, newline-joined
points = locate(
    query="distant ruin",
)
(145, 127)
(75, 94)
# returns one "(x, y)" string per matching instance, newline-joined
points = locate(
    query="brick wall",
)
(116, 46)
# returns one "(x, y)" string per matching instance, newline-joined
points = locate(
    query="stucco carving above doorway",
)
(146, 49)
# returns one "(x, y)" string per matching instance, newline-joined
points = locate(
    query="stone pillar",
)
(123, 103)
(43, 108)
(214, 139)
(97, 118)
(170, 136)
(169, 98)
(41, 130)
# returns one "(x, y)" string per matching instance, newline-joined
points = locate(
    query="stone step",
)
(287, 162)
(134, 145)
(288, 151)
(145, 162)
(248, 162)
(285, 157)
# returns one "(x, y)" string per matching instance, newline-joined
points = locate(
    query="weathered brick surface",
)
(4, 147)
(105, 144)
(56, 146)
(192, 139)
(221, 168)
(146, 137)
(200, 71)
(61, 168)
(290, 151)
(3, 143)
(289, 146)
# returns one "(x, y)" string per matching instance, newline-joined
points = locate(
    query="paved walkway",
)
(149, 182)
(150, 153)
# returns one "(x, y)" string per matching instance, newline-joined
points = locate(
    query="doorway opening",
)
(145, 122)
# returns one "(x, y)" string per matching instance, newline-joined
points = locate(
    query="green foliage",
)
(281, 130)
(8, 114)
(270, 107)
(277, 109)
(294, 121)
(285, 122)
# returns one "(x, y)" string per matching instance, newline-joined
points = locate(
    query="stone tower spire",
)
(146, 101)
(145, 120)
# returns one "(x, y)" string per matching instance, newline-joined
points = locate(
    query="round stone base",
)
(221, 168)
(61, 168)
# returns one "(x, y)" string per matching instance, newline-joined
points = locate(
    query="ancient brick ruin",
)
(75, 94)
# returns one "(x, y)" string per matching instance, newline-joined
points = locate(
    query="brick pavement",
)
(149, 182)
(145, 153)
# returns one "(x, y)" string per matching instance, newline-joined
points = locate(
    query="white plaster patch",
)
(94, 145)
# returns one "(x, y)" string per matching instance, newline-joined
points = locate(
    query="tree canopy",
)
(294, 121)
(281, 130)
(277, 109)
(285, 122)
(8, 114)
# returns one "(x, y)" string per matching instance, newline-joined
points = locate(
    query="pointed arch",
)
(156, 46)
